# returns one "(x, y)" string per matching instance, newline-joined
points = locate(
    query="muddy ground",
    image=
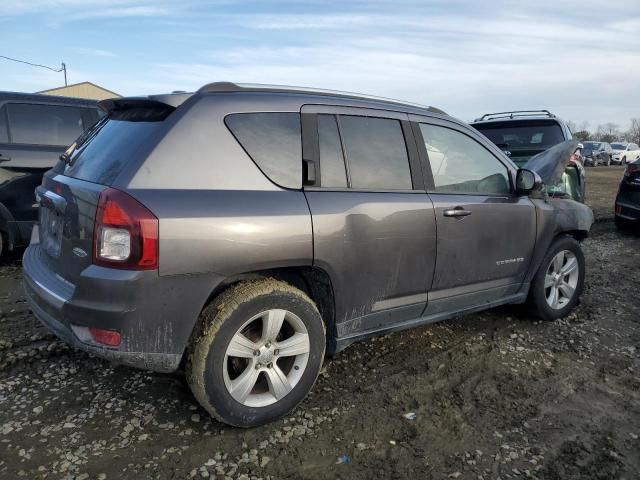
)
(495, 395)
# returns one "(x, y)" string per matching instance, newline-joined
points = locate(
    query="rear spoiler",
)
(172, 100)
(115, 104)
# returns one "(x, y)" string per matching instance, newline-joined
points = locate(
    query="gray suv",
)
(241, 232)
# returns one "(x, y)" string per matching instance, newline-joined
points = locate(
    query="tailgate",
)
(66, 221)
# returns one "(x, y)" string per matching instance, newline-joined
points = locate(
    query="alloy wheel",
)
(266, 358)
(561, 279)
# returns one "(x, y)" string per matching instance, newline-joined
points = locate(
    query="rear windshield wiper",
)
(65, 157)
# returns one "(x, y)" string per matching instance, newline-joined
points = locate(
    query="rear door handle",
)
(457, 212)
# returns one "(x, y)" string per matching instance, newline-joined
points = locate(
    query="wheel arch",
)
(313, 281)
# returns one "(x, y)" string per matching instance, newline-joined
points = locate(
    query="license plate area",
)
(51, 223)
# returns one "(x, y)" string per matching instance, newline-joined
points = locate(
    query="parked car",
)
(523, 134)
(624, 153)
(34, 131)
(246, 230)
(627, 209)
(597, 153)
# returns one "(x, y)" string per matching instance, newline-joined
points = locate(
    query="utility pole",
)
(63, 68)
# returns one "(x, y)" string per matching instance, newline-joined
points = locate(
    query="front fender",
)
(557, 216)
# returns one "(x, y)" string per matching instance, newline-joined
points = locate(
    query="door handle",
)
(4, 159)
(457, 212)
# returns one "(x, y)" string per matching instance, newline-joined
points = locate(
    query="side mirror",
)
(527, 182)
(580, 146)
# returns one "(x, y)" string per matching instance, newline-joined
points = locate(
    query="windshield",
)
(618, 146)
(533, 135)
(590, 146)
(103, 151)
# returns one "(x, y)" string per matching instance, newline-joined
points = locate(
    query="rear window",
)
(535, 135)
(105, 149)
(273, 141)
(4, 137)
(44, 124)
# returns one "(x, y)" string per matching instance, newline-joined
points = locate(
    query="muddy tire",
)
(558, 284)
(257, 352)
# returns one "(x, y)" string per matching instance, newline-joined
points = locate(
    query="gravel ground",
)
(490, 395)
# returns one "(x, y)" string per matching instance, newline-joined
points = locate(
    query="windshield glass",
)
(534, 135)
(102, 153)
(590, 146)
(618, 146)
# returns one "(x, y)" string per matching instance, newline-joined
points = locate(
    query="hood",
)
(551, 163)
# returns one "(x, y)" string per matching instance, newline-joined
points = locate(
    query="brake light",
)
(632, 168)
(109, 338)
(125, 233)
(573, 159)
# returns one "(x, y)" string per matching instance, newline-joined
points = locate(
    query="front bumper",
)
(65, 310)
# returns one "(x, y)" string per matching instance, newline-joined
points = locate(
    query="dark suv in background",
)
(596, 153)
(524, 133)
(34, 131)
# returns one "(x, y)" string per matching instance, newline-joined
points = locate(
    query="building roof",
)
(82, 90)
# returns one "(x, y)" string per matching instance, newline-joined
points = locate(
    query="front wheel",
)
(257, 354)
(558, 284)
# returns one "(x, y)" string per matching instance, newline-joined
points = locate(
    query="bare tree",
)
(612, 129)
(633, 134)
(609, 132)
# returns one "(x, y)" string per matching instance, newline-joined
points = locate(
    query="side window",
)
(273, 141)
(376, 153)
(44, 124)
(4, 136)
(462, 165)
(331, 157)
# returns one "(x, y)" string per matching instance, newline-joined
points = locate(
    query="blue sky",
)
(580, 59)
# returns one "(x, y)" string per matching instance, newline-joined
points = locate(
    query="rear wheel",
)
(558, 284)
(258, 352)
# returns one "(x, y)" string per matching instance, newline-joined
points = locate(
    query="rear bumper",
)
(155, 315)
(40, 306)
(628, 205)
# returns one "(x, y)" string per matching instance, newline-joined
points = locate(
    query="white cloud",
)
(463, 56)
(93, 52)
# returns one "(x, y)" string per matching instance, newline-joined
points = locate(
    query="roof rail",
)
(516, 114)
(256, 87)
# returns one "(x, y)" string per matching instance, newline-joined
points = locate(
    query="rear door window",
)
(36, 124)
(274, 143)
(376, 153)
(331, 158)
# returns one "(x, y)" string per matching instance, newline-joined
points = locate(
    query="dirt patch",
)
(495, 394)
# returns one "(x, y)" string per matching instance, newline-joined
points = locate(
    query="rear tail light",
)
(632, 168)
(110, 338)
(125, 234)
